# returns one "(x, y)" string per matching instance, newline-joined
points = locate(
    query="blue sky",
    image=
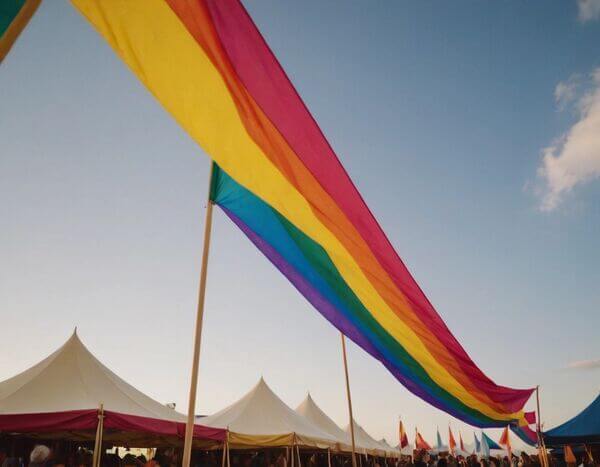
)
(471, 129)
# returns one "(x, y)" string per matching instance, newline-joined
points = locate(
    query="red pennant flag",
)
(462, 446)
(451, 440)
(505, 441)
(530, 417)
(420, 443)
(402, 436)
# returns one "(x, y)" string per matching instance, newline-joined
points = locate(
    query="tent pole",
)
(328, 457)
(298, 454)
(189, 427)
(98, 441)
(541, 446)
(292, 452)
(228, 452)
(349, 399)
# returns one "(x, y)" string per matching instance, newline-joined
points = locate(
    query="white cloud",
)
(589, 10)
(584, 364)
(573, 158)
(566, 91)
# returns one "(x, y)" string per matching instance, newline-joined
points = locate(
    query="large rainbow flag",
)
(280, 182)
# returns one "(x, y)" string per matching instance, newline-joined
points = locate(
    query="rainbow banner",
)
(281, 183)
(526, 434)
(14, 16)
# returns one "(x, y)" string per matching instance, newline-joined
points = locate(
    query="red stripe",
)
(47, 422)
(264, 78)
(74, 420)
(197, 19)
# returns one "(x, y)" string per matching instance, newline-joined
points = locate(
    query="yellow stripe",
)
(149, 37)
(16, 26)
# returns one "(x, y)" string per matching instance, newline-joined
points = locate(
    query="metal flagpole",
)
(349, 399)
(189, 427)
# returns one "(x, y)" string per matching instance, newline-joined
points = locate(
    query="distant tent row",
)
(64, 394)
(262, 419)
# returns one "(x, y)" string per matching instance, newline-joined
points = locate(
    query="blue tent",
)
(581, 429)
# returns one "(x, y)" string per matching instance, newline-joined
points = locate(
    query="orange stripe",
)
(197, 21)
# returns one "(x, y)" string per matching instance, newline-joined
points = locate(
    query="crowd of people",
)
(61, 455)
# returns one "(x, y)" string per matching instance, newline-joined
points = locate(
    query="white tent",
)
(391, 451)
(311, 411)
(64, 392)
(262, 419)
(406, 450)
(365, 442)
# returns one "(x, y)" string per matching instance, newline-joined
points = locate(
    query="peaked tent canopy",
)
(389, 449)
(365, 442)
(309, 409)
(262, 419)
(584, 428)
(64, 391)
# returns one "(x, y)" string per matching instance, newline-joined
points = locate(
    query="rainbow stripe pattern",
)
(280, 182)
(14, 16)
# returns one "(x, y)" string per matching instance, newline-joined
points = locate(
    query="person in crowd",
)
(421, 458)
(110, 460)
(281, 460)
(524, 460)
(83, 458)
(129, 461)
(442, 462)
(39, 455)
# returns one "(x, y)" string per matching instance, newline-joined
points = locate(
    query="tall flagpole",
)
(189, 427)
(541, 445)
(349, 399)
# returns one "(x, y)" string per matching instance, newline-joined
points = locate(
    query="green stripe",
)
(246, 206)
(9, 9)
(322, 263)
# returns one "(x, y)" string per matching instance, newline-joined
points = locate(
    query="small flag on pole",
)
(403, 439)
(505, 441)
(420, 443)
(477, 444)
(451, 440)
(485, 447)
(569, 455)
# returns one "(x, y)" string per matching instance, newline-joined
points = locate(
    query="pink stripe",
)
(75, 420)
(261, 74)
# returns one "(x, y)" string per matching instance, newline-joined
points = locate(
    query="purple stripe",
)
(332, 314)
